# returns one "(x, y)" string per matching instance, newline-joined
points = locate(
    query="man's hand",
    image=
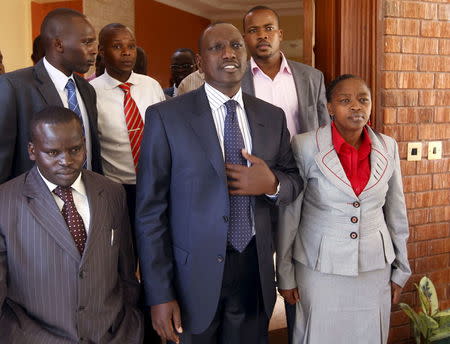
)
(166, 320)
(290, 295)
(255, 180)
(396, 290)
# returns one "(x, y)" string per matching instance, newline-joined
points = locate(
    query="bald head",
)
(69, 40)
(109, 29)
(56, 24)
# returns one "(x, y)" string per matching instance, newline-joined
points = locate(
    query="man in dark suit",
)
(202, 220)
(69, 42)
(66, 258)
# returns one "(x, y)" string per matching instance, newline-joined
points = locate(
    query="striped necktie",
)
(135, 124)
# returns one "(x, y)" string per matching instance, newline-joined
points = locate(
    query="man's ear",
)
(58, 44)
(198, 61)
(31, 154)
(281, 34)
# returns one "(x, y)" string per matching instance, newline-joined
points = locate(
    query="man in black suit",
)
(70, 46)
(213, 162)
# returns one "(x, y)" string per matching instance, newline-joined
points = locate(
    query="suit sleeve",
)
(322, 112)
(3, 272)
(286, 170)
(152, 200)
(8, 128)
(127, 265)
(288, 222)
(397, 223)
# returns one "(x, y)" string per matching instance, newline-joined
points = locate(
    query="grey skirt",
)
(342, 309)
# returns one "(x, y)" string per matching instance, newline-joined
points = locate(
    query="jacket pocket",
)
(372, 252)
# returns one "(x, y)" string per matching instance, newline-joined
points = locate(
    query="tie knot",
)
(70, 85)
(125, 87)
(63, 192)
(231, 106)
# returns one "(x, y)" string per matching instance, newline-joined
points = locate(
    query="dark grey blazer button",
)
(82, 274)
(219, 259)
(356, 204)
(81, 308)
(225, 219)
(354, 219)
(353, 235)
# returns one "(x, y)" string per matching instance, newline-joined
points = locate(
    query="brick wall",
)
(415, 99)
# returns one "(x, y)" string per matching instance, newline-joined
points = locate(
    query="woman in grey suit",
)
(341, 246)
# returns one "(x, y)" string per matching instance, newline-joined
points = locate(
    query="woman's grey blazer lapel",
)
(328, 161)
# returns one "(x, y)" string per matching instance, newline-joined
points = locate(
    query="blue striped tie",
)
(240, 225)
(73, 104)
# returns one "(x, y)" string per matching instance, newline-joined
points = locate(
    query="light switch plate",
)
(434, 150)
(414, 151)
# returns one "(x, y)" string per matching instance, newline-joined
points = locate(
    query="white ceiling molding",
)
(218, 9)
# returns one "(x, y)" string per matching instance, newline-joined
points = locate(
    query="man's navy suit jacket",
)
(183, 211)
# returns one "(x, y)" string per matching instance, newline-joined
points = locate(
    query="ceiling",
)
(219, 9)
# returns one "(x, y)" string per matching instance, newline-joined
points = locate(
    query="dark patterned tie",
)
(72, 217)
(240, 225)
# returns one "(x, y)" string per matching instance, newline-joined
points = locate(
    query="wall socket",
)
(414, 151)
(434, 150)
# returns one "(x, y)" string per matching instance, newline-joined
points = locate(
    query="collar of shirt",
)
(59, 78)
(217, 99)
(111, 83)
(284, 67)
(341, 145)
(77, 185)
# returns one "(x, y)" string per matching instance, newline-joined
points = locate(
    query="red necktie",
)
(135, 124)
(72, 217)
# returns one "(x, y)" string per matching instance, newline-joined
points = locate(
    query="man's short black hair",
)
(260, 8)
(54, 22)
(185, 50)
(107, 28)
(52, 115)
(200, 39)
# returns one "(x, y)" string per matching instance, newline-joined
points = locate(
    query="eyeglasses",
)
(181, 67)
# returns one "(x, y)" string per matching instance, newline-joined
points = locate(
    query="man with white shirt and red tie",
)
(295, 87)
(70, 47)
(122, 98)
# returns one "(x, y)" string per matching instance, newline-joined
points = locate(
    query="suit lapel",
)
(98, 208)
(328, 161)
(379, 164)
(203, 126)
(45, 85)
(257, 127)
(43, 207)
(303, 96)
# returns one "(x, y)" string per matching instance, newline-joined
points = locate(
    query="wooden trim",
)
(377, 111)
(308, 32)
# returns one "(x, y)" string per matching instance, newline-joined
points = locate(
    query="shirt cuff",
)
(275, 195)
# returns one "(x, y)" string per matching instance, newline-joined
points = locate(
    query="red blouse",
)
(356, 162)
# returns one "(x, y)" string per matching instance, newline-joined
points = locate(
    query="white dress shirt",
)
(117, 159)
(280, 91)
(59, 79)
(79, 198)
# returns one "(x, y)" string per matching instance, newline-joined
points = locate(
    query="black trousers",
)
(290, 319)
(150, 335)
(240, 317)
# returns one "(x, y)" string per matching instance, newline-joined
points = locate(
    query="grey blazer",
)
(310, 87)
(48, 293)
(330, 229)
(22, 93)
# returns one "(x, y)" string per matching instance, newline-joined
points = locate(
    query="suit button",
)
(353, 235)
(81, 308)
(356, 204)
(225, 219)
(219, 259)
(82, 274)
(354, 219)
